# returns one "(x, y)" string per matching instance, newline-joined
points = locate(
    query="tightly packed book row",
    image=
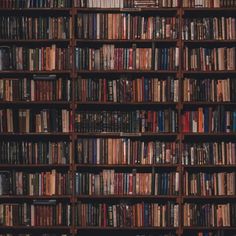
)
(122, 89)
(117, 151)
(116, 26)
(112, 182)
(116, 4)
(106, 182)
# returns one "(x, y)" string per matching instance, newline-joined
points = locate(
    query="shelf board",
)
(38, 166)
(207, 9)
(223, 72)
(202, 103)
(222, 166)
(27, 41)
(209, 41)
(209, 197)
(93, 166)
(173, 41)
(126, 72)
(58, 103)
(208, 228)
(123, 134)
(23, 72)
(15, 227)
(33, 10)
(128, 103)
(109, 197)
(210, 134)
(35, 134)
(142, 228)
(15, 197)
(130, 10)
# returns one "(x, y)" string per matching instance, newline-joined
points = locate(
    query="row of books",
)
(110, 182)
(40, 213)
(209, 3)
(39, 59)
(125, 151)
(26, 120)
(125, 3)
(38, 88)
(208, 119)
(125, 26)
(127, 121)
(210, 184)
(35, 4)
(136, 215)
(35, 152)
(26, 27)
(209, 59)
(35, 184)
(209, 215)
(124, 89)
(209, 90)
(110, 57)
(213, 153)
(209, 28)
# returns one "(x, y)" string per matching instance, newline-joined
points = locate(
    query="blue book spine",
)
(206, 120)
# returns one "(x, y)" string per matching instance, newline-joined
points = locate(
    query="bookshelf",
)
(107, 136)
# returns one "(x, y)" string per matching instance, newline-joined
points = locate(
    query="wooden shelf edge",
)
(167, 197)
(126, 228)
(126, 166)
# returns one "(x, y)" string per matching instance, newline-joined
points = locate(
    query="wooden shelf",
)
(20, 197)
(222, 166)
(209, 103)
(225, 197)
(126, 228)
(34, 10)
(213, 41)
(114, 41)
(129, 10)
(31, 166)
(23, 72)
(208, 228)
(35, 134)
(156, 72)
(109, 197)
(15, 227)
(117, 166)
(210, 10)
(29, 103)
(128, 103)
(36, 41)
(210, 134)
(123, 134)
(223, 72)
